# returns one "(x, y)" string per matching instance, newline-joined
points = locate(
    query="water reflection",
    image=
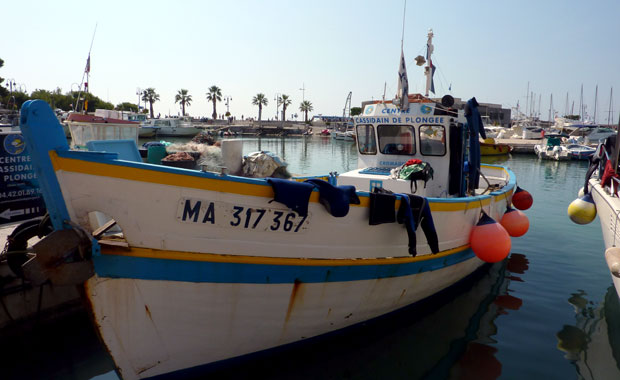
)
(478, 360)
(592, 344)
(495, 160)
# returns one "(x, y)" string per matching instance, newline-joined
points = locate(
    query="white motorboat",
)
(551, 148)
(592, 134)
(174, 126)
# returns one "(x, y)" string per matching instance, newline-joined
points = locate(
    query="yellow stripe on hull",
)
(240, 259)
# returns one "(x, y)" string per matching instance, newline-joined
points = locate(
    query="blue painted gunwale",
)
(127, 266)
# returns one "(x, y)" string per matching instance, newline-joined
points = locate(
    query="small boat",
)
(551, 148)
(579, 151)
(173, 126)
(207, 266)
(490, 148)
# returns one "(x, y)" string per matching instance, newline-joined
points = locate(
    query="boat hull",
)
(608, 210)
(178, 131)
(204, 267)
(494, 149)
(152, 327)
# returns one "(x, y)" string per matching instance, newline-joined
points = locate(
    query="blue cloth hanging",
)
(475, 127)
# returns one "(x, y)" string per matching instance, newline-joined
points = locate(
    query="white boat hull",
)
(209, 267)
(608, 210)
(178, 131)
(167, 326)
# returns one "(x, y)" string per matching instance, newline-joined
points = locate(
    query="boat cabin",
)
(387, 138)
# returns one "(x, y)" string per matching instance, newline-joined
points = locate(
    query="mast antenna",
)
(86, 71)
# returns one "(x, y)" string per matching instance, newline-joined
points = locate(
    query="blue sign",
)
(20, 195)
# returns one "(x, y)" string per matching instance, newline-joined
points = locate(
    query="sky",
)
(492, 50)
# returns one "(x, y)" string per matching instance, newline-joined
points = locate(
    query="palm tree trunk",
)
(214, 115)
(151, 106)
(183, 104)
(260, 111)
(306, 117)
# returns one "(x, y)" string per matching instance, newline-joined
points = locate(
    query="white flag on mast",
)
(403, 83)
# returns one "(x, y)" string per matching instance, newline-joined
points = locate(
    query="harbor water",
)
(548, 311)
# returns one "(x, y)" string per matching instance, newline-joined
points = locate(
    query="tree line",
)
(88, 102)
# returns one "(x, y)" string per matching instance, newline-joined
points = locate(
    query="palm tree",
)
(214, 95)
(305, 107)
(149, 95)
(285, 101)
(183, 98)
(260, 100)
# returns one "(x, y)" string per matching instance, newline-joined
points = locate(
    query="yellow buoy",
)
(582, 210)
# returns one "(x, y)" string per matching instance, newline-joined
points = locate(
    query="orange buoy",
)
(521, 199)
(515, 222)
(489, 240)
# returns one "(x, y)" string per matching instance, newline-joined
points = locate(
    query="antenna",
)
(384, 86)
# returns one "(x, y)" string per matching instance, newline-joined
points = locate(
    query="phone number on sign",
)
(19, 193)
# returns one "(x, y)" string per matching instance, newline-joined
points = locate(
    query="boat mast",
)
(527, 98)
(581, 104)
(550, 106)
(86, 74)
(610, 114)
(428, 70)
(595, 102)
(566, 105)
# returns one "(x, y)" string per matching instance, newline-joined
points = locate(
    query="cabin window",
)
(432, 140)
(396, 139)
(366, 140)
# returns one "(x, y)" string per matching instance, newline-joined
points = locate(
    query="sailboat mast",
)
(610, 114)
(527, 98)
(581, 104)
(550, 107)
(86, 74)
(566, 105)
(595, 102)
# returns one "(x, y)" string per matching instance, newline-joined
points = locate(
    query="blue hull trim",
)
(405, 315)
(200, 271)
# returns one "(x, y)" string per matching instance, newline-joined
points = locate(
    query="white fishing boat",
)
(206, 267)
(85, 128)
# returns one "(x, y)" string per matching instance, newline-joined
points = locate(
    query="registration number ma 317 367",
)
(229, 215)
